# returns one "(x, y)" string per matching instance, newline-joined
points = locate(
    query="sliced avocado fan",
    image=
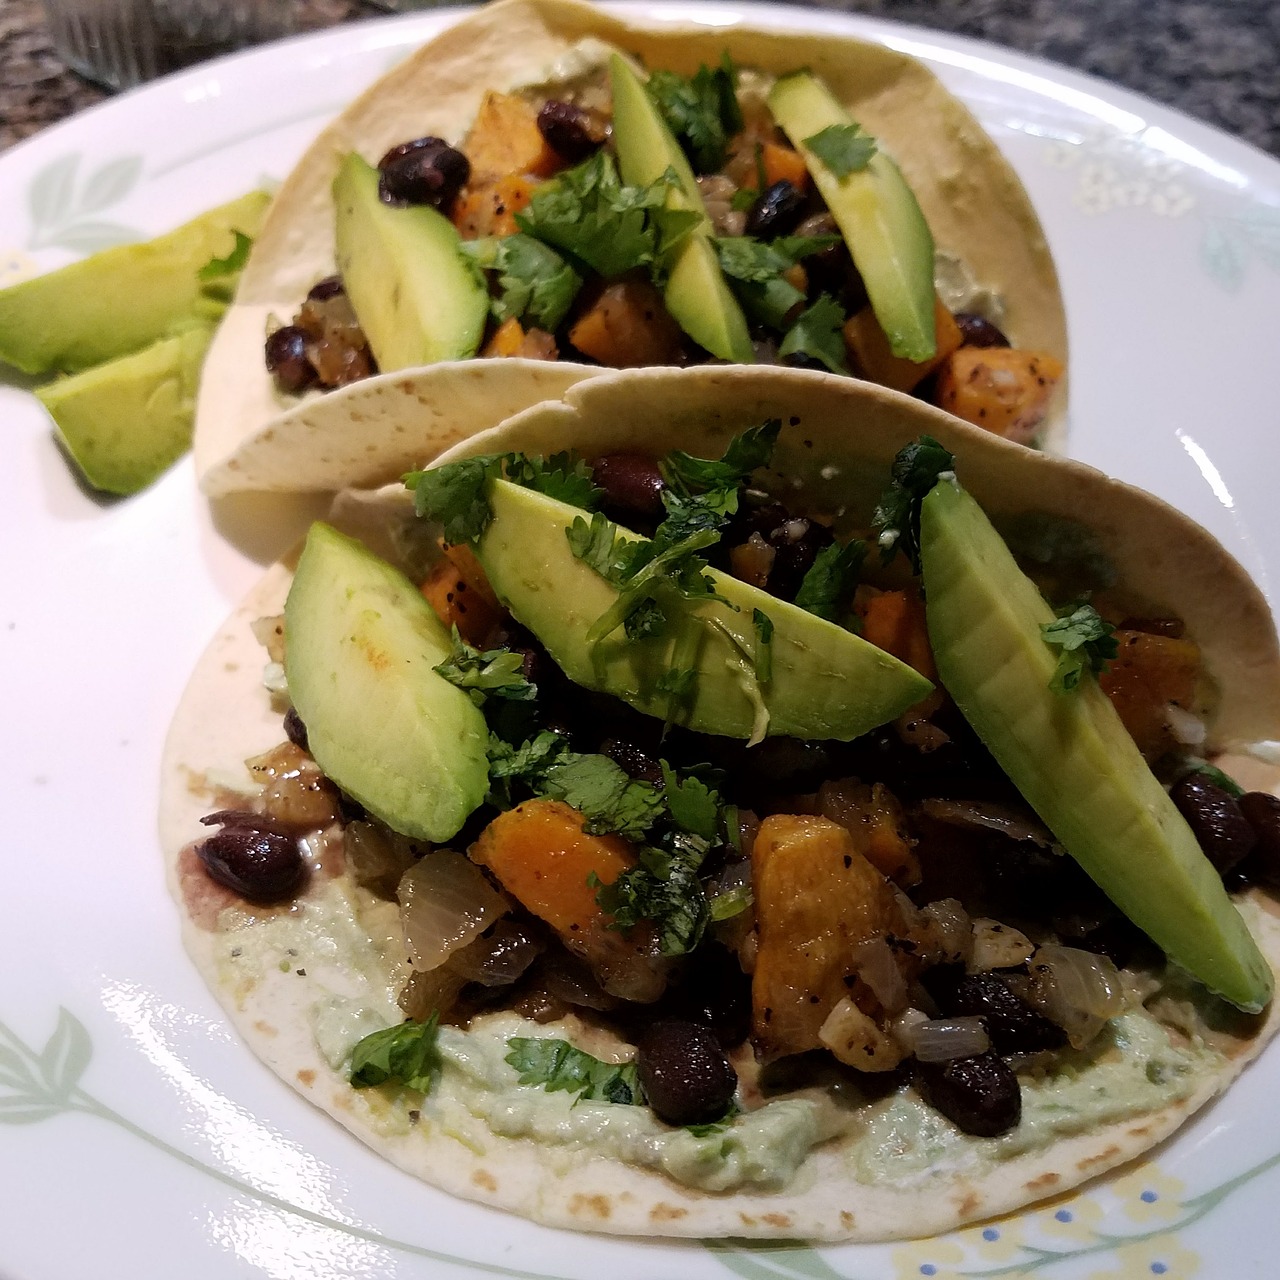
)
(1070, 755)
(822, 681)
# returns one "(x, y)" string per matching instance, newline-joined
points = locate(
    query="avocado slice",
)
(877, 214)
(826, 682)
(360, 645)
(417, 298)
(1069, 754)
(123, 299)
(696, 292)
(126, 421)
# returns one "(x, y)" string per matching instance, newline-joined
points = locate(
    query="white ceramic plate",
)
(137, 1136)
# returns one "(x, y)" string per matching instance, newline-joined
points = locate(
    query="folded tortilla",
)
(297, 980)
(976, 208)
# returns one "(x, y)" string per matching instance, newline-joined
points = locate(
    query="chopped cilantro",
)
(828, 585)
(591, 215)
(1219, 779)
(764, 645)
(232, 264)
(701, 112)
(843, 148)
(456, 496)
(536, 284)
(816, 333)
(744, 454)
(916, 469)
(754, 269)
(495, 672)
(1087, 643)
(407, 1054)
(664, 891)
(694, 806)
(560, 1067)
(603, 792)
(730, 903)
(714, 1127)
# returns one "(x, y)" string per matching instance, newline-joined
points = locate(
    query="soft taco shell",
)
(837, 439)
(975, 205)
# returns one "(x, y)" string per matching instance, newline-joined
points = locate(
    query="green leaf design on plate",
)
(63, 208)
(65, 1057)
(1222, 257)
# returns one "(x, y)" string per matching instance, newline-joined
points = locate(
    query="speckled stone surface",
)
(1218, 60)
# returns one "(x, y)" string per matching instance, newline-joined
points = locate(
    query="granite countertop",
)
(1218, 60)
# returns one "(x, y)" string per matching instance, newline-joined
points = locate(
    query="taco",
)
(555, 950)
(548, 182)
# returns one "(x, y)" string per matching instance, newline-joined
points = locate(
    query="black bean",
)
(978, 331)
(715, 993)
(1214, 816)
(261, 865)
(424, 171)
(634, 762)
(776, 211)
(1013, 1025)
(568, 130)
(295, 730)
(329, 287)
(1262, 812)
(781, 765)
(979, 1095)
(632, 485)
(684, 1073)
(286, 352)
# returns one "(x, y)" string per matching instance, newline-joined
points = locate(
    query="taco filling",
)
(622, 218)
(674, 846)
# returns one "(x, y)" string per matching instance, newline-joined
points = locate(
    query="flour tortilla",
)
(975, 206)
(226, 716)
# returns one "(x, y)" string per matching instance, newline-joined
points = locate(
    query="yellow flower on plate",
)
(928, 1260)
(1160, 1258)
(1148, 1195)
(1074, 1218)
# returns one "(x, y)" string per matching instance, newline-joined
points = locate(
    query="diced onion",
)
(500, 956)
(941, 1039)
(948, 930)
(1189, 729)
(445, 902)
(877, 966)
(1076, 989)
(997, 946)
(269, 633)
(856, 1039)
(983, 816)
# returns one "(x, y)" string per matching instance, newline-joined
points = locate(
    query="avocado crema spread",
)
(610, 214)
(711, 872)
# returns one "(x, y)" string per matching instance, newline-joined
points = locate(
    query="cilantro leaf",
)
(407, 1054)
(816, 333)
(714, 1127)
(456, 496)
(755, 268)
(916, 469)
(694, 806)
(495, 672)
(663, 890)
(560, 1067)
(745, 453)
(828, 585)
(603, 792)
(563, 476)
(1087, 643)
(701, 112)
(843, 148)
(232, 264)
(536, 284)
(588, 213)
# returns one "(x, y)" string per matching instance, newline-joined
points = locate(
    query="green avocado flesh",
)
(826, 682)
(877, 214)
(1069, 754)
(360, 645)
(417, 298)
(123, 299)
(696, 293)
(126, 421)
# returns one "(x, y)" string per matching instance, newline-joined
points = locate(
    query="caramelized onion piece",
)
(499, 956)
(445, 903)
(941, 1039)
(1078, 990)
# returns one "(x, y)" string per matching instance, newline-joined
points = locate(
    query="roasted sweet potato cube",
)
(627, 326)
(874, 818)
(783, 164)
(1003, 389)
(488, 206)
(458, 591)
(545, 860)
(1149, 674)
(505, 139)
(869, 349)
(816, 899)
